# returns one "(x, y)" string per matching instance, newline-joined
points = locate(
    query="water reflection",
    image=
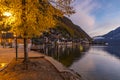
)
(99, 64)
(66, 54)
(114, 50)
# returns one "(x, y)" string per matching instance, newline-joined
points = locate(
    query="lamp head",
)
(7, 14)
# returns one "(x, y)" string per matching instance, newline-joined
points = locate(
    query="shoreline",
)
(62, 70)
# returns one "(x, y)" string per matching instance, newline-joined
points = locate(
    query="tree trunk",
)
(23, 17)
(25, 51)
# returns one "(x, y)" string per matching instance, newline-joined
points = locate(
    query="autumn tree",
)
(32, 17)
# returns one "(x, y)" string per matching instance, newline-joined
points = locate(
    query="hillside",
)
(74, 30)
(64, 30)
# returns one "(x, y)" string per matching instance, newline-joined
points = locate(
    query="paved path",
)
(7, 54)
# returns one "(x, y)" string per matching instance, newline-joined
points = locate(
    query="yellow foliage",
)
(39, 17)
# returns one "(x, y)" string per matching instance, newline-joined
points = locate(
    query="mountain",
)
(112, 37)
(114, 34)
(74, 30)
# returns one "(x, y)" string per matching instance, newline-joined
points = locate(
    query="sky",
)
(96, 17)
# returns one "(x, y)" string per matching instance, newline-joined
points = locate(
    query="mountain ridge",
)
(79, 32)
(114, 34)
(112, 38)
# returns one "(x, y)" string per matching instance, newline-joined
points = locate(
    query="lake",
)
(91, 62)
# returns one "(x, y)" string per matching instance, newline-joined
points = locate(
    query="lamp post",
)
(4, 39)
(8, 15)
(5, 15)
(16, 47)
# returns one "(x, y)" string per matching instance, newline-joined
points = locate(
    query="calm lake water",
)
(91, 62)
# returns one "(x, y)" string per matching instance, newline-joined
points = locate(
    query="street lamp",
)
(16, 46)
(5, 15)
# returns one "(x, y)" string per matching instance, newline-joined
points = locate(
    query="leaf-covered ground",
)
(36, 69)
